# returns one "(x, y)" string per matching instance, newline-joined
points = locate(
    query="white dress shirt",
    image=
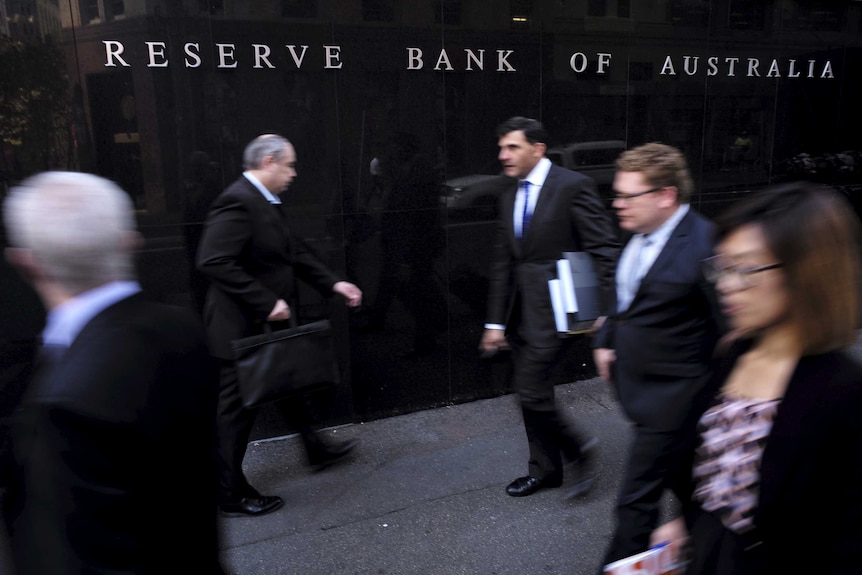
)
(270, 197)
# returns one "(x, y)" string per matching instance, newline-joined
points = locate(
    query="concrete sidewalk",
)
(424, 494)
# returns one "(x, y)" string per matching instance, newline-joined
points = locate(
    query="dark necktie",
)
(525, 219)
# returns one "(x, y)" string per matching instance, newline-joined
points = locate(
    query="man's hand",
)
(280, 312)
(351, 293)
(673, 533)
(597, 325)
(604, 359)
(493, 340)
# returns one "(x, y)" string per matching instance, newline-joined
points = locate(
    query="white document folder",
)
(575, 293)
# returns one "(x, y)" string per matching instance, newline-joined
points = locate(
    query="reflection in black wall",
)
(401, 337)
(114, 116)
(392, 113)
(35, 113)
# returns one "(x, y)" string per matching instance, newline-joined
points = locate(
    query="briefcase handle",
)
(267, 325)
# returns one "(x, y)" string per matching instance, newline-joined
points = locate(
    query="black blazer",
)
(252, 261)
(109, 440)
(569, 216)
(665, 340)
(809, 514)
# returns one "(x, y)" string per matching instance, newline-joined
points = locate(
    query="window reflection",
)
(299, 8)
(89, 11)
(378, 11)
(211, 7)
(691, 13)
(117, 9)
(818, 15)
(598, 8)
(522, 13)
(448, 12)
(746, 15)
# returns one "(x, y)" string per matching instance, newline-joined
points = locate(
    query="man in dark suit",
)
(547, 211)
(656, 349)
(252, 261)
(114, 440)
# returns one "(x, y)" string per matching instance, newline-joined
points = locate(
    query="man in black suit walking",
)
(114, 441)
(547, 211)
(252, 261)
(656, 348)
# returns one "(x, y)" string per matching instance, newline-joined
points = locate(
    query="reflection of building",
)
(97, 11)
(29, 20)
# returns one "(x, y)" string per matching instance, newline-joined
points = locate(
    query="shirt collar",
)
(660, 235)
(270, 197)
(539, 173)
(65, 321)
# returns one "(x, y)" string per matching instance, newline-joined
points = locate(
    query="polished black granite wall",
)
(392, 108)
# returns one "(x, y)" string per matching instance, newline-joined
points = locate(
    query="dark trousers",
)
(716, 550)
(550, 435)
(652, 455)
(234, 428)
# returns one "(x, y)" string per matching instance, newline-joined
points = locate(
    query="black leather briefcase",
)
(278, 364)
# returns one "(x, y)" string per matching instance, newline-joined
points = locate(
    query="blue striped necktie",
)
(525, 219)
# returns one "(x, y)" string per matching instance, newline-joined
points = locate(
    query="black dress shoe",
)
(323, 457)
(251, 506)
(528, 485)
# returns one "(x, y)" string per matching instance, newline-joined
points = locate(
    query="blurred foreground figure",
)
(656, 349)
(774, 481)
(114, 439)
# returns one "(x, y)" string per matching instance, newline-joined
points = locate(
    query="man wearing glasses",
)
(656, 349)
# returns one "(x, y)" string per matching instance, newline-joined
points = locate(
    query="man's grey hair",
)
(77, 226)
(261, 147)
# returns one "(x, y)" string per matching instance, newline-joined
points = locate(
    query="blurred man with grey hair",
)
(113, 442)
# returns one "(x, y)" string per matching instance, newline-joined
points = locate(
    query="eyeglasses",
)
(627, 197)
(717, 268)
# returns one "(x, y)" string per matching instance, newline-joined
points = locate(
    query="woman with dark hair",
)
(774, 482)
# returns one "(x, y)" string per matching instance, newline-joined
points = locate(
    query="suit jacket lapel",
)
(785, 450)
(274, 214)
(668, 253)
(545, 195)
(507, 212)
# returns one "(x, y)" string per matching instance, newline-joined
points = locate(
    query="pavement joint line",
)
(399, 509)
(293, 435)
(275, 537)
(598, 402)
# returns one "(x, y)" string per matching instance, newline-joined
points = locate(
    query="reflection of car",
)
(470, 203)
(473, 198)
(477, 193)
(479, 188)
(594, 159)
